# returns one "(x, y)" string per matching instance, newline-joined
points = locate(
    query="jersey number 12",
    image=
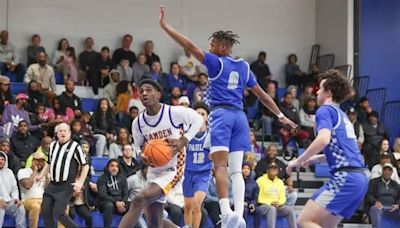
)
(198, 158)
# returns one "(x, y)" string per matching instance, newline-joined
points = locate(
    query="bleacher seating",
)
(99, 163)
(89, 104)
(360, 85)
(18, 87)
(391, 120)
(377, 99)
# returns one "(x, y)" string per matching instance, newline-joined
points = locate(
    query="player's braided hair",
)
(228, 37)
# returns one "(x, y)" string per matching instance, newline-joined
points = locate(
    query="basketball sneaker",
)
(229, 220)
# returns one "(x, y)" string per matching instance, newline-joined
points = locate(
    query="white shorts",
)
(167, 180)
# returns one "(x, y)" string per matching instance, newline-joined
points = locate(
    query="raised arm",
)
(179, 38)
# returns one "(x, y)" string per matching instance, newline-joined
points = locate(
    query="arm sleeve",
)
(254, 197)
(282, 193)
(188, 117)
(138, 138)
(370, 198)
(52, 80)
(80, 156)
(251, 79)
(125, 194)
(326, 117)
(213, 64)
(14, 188)
(28, 75)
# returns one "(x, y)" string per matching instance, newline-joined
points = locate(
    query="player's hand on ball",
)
(177, 144)
(146, 160)
(287, 121)
(294, 164)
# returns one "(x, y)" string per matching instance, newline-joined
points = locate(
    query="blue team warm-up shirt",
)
(342, 150)
(197, 153)
(228, 78)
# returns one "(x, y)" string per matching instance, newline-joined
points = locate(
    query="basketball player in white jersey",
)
(159, 121)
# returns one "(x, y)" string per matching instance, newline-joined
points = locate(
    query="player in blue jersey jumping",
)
(343, 193)
(197, 171)
(229, 128)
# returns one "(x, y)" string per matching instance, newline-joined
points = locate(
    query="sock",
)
(224, 206)
(235, 174)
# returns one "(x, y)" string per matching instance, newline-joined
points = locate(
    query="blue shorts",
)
(195, 182)
(229, 130)
(343, 193)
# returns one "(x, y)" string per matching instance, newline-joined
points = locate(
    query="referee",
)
(65, 159)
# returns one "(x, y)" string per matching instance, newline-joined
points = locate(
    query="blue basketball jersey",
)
(228, 78)
(342, 150)
(197, 153)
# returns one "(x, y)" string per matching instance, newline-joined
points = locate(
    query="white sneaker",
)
(229, 220)
(241, 223)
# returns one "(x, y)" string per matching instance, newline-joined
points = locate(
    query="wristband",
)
(280, 115)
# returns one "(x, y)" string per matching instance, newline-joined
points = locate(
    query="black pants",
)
(108, 209)
(93, 78)
(175, 213)
(83, 211)
(19, 71)
(213, 210)
(55, 200)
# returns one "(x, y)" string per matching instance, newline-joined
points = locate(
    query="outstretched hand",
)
(162, 17)
(287, 121)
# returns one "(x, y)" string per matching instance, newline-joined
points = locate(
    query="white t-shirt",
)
(37, 189)
(188, 64)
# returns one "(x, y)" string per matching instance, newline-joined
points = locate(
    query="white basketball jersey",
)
(160, 126)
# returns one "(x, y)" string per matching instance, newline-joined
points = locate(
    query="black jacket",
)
(23, 146)
(128, 170)
(112, 188)
(378, 191)
(262, 165)
(73, 102)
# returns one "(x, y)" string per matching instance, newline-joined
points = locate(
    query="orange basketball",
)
(159, 151)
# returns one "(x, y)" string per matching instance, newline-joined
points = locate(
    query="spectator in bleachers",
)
(59, 114)
(308, 91)
(8, 58)
(122, 139)
(60, 55)
(124, 94)
(85, 145)
(42, 73)
(307, 116)
(358, 128)
(103, 124)
(294, 75)
(174, 96)
(158, 75)
(136, 183)
(13, 161)
(261, 69)
(104, 64)
(14, 113)
(5, 93)
(78, 134)
(87, 63)
(9, 195)
(262, 166)
(374, 132)
(184, 101)
(149, 52)
(34, 49)
(71, 67)
(44, 149)
(35, 96)
(127, 119)
(113, 192)
(396, 149)
(140, 68)
(23, 143)
(32, 184)
(125, 51)
(200, 90)
(272, 198)
(383, 197)
(125, 70)
(128, 165)
(68, 99)
(40, 116)
(285, 131)
(268, 116)
(251, 195)
(175, 79)
(313, 77)
(256, 149)
(110, 91)
(189, 66)
(377, 169)
(363, 110)
(293, 91)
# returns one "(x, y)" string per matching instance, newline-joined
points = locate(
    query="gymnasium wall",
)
(380, 44)
(332, 29)
(279, 27)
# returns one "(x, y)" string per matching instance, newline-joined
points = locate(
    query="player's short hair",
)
(228, 37)
(202, 105)
(151, 82)
(338, 84)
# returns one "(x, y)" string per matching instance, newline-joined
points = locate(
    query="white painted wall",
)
(332, 29)
(279, 27)
(3, 14)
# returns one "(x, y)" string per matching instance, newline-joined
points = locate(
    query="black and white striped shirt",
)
(64, 160)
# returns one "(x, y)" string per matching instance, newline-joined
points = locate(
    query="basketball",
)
(159, 151)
